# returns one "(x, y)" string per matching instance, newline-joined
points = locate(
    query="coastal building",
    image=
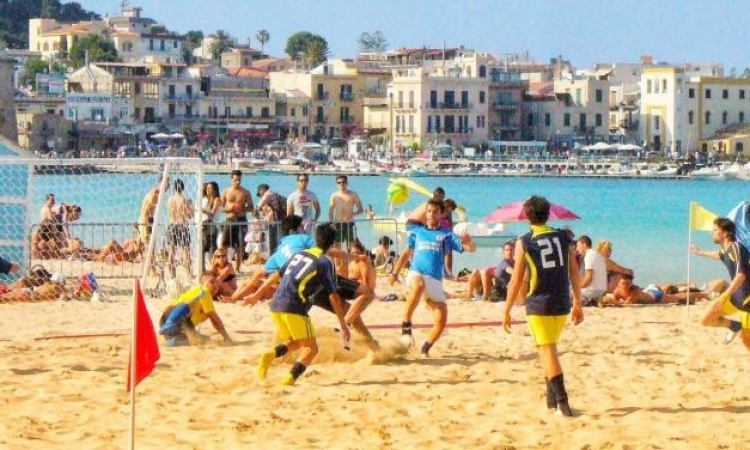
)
(136, 38)
(335, 89)
(681, 113)
(241, 56)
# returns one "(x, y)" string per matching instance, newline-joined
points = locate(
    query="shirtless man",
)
(342, 208)
(180, 211)
(47, 213)
(236, 202)
(148, 208)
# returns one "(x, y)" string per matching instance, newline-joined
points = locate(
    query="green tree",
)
(192, 41)
(99, 48)
(223, 42)
(262, 37)
(372, 42)
(316, 51)
(297, 44)
(34, 66)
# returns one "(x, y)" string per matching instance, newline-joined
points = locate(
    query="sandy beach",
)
(638, 377)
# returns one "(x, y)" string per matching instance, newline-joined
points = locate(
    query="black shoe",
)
(563, 408)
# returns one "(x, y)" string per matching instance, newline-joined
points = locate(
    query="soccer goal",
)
(109, 217)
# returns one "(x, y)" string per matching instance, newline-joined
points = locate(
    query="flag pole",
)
(687, 301)
(133, 347)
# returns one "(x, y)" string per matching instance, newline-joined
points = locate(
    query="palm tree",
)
(223, 42)
(263, 36)
(316, 51)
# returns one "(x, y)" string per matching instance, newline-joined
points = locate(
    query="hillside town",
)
(449, 101)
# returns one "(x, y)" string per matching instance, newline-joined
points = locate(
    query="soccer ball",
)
(407, 340)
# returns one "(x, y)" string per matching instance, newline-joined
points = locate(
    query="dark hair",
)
(449, 203)
(511, 242)
(536, 209)
(303, 174)
(586, 240)
(627, 276)
(236, 172)
(215, 186)
(325, 236)
(438, 191)
(356, 243)
(727, 226)
(290, 224)
(179, 186)
(385, 240)
(264, 187)
(342, 177)
(436, 203)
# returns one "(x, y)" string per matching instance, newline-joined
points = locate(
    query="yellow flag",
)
(701, 218)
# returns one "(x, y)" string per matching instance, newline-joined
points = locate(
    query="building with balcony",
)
(136, 38)
(682, 113)
(336, 90)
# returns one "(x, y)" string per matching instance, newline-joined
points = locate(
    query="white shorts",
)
(433, 289)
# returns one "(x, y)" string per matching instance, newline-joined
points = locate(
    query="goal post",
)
(77, 216)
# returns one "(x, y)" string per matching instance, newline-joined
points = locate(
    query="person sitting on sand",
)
(225, 276)
(7, 267)
(177, 323)
(492, 282)
(614, 270)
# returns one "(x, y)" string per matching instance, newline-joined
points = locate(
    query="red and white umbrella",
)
(513, 212)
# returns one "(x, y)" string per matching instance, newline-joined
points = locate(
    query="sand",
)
(638, 377)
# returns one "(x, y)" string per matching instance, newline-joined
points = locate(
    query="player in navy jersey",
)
(305, 274)
(545, 257)
(736, 298)
(429, 245)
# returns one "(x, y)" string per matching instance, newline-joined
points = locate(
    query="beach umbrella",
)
(513, 212)
(160, 136)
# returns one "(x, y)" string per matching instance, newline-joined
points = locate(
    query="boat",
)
(708, 173)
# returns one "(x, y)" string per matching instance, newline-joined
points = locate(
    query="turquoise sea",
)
(646, 220)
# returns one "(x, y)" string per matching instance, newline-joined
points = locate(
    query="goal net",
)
(80, 216)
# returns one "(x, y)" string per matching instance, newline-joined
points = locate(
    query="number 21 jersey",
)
(547, 253)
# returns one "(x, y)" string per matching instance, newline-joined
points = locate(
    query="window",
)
(400, 99)
(657, 122)
(433, 99)
(742, 93)
(691, 93)
(530, 120)
(738, 147)
(137, 88)
(725, 93)
(724, 117)
(411, 99)
(708, 93)
(708, 117)
(161, 45)
(150, 44)
(249, 111)
(547, 119)
(599, 96)
(579, 95)
(189, 90)
(582, 121)
(742, 117)
(293, 112)
(481, 97)
(691, 117)
(598, 120)
(265, 112)
(429, 124)
(566, 119)
(150, 90)
(648, 86)
(464, 99)
(664, 86)
(411, 123)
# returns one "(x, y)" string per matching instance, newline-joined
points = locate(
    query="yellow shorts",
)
(546, 330)
(728, 309)
(293, 326)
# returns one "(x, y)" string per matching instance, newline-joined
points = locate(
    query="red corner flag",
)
(144, 349)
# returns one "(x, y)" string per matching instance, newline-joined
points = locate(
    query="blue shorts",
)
(655, 291)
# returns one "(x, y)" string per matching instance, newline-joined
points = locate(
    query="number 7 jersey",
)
(304, 275)
(547, 253)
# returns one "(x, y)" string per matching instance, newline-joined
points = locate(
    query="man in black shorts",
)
(354, 296)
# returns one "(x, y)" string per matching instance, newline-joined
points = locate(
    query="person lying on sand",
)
(39, 286)
(627, 293)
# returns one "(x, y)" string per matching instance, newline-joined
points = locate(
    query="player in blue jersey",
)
(305, 274)
(736, 298)
(292, 242)
(428, 245)
(545, 257)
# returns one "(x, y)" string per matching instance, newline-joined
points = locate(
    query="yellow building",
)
(335, 90)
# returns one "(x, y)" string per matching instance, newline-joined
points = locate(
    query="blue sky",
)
(583, 31)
